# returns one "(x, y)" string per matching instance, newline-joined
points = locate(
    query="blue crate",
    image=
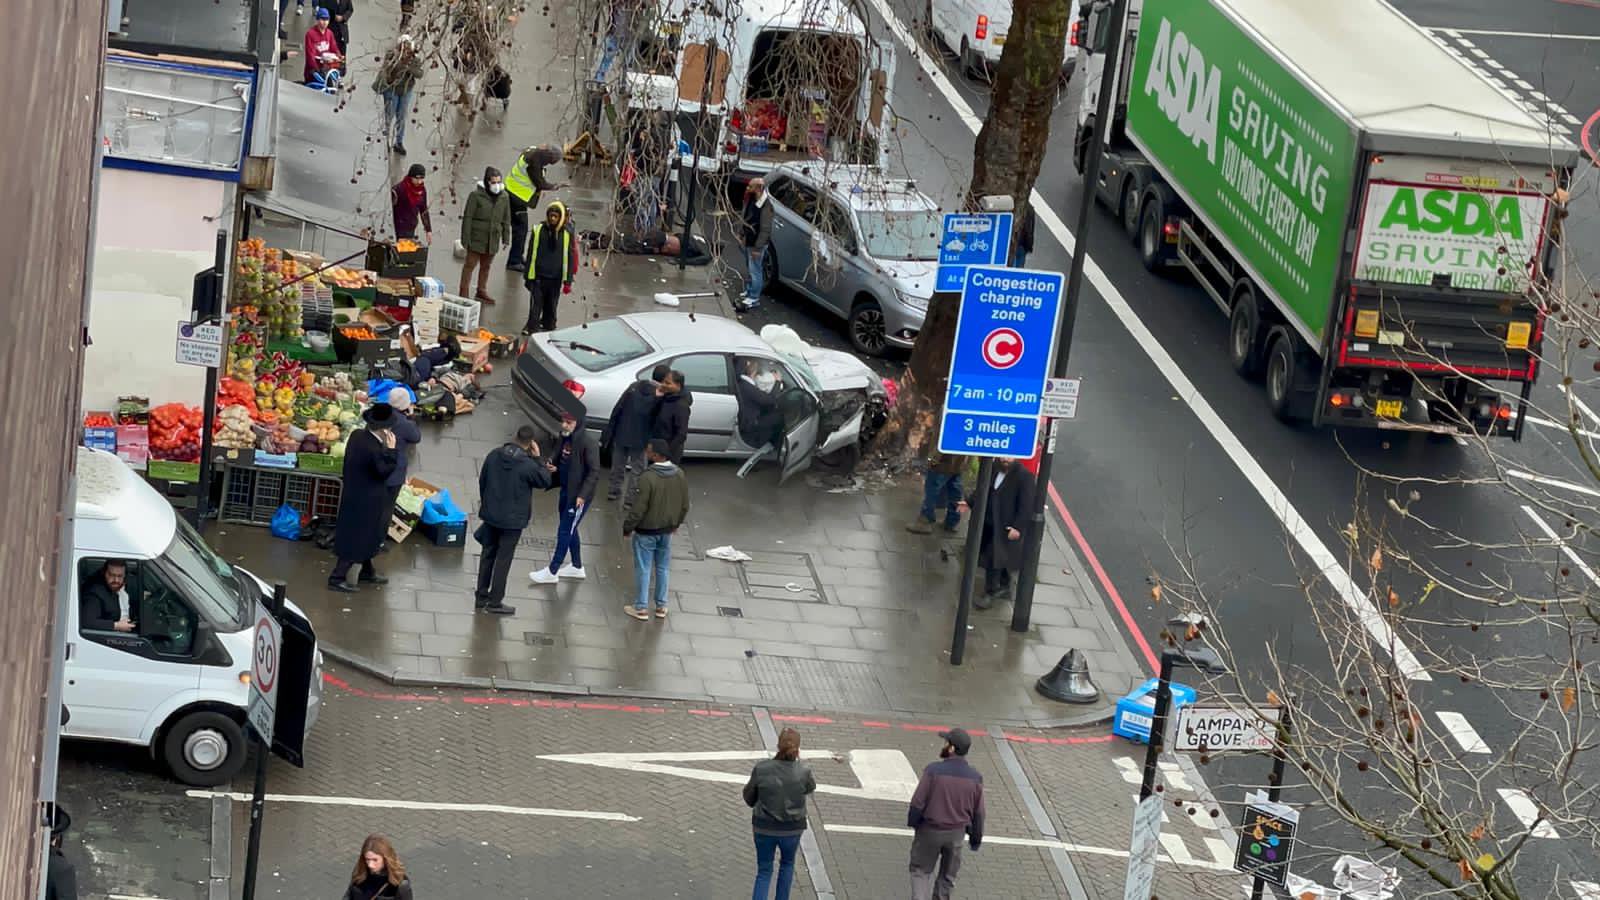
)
(1135, 711)
(100, 439)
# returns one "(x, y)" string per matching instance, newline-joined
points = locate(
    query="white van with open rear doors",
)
(160, 630)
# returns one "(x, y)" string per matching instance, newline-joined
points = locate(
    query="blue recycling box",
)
(1135, 711)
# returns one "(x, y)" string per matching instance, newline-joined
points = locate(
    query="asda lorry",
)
(1373, 216)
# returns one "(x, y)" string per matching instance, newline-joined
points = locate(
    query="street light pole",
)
(1022, 608)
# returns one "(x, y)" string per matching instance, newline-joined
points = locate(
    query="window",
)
(704, 373)
(901, 233)
(599, 345)
(798, 198)
(180, 115)
(835, 223)
(162, 622)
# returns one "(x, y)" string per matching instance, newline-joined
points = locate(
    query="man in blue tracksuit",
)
(576, 467)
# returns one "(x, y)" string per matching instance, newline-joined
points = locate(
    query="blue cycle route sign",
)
(971, 239)
(1005, 339)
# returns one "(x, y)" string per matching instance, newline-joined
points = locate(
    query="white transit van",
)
(172, 671)
(976, 30)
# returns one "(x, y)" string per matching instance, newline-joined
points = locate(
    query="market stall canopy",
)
(319, 151)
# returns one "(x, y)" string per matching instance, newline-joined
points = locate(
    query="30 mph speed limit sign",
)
(265, 660)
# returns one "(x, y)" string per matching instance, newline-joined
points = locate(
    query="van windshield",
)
(214, 585)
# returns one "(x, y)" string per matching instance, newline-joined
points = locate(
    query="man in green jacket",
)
(485, 226)
(660, 507)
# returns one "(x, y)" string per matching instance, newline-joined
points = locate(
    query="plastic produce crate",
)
(250, 495)
(460, 314)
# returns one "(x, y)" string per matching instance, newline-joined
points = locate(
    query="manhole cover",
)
(732, 612)
(534, 542)
(781, 575)
(540, 639)
(793, 681)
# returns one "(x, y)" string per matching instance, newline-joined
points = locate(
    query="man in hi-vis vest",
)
(525, 184)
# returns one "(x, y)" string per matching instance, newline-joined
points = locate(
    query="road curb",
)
(400, 678)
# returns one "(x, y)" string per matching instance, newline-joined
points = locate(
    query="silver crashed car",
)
(830, 401)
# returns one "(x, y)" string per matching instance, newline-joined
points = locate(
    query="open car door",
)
(801, 425)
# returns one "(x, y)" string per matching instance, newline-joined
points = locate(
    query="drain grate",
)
(540, 639)
(732, 612)
(793, 681)
(534, 542)
(781, 575)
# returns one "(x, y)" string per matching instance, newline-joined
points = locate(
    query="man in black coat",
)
(671, 422)
(506, 484)
(103, 602)
(576, 467)
(629, 430)
(1005, 523)
(365, 504)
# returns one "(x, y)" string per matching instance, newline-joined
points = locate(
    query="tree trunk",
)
(1006, 158)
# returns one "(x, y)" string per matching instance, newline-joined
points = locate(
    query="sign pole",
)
(1275, 785)
(969, 559)
(1022, 608)
(258, 798)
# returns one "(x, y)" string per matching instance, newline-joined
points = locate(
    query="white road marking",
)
(1316, 550)
(1578, 404)
(1527, 812)
(1480, 53)
(884, 774)
(1462, 41)
(1553, 482)
(1457, 32)
(1566, 550)
(1133, 773)
(1586, 890)
(1525, 85)
(130, 897)
(905, 834)
(1463, 732)
(1557, 426)
(425, 806)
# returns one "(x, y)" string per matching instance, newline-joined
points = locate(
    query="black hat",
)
(381, 415)
(958, 739)
(660, 447)
(417, 170)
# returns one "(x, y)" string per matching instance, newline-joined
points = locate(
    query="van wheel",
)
(1244, 335)
(1281, 376)
(967, 66)
(933, 30)
(1130, 209)
(1151, 220)
(204, 749)
(868, 331)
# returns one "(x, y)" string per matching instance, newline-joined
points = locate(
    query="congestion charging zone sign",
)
(1005, 339)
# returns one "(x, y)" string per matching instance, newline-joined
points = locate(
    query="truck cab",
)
(159, 630)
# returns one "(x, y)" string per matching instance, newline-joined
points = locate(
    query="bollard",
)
(1069, 681)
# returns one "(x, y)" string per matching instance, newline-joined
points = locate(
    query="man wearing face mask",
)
(575, 466)
(760, 422)
(485, 228)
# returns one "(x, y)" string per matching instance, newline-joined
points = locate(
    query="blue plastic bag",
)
(440, 509)
(378, 389)
(286, 523)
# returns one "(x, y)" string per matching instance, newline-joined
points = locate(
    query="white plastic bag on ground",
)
(667, 299)
(727, 552)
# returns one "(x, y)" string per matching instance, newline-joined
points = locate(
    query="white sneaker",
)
(542, 576)
(572, 571)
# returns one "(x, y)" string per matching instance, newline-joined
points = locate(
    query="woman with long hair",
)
(379, 873)
(776, 794)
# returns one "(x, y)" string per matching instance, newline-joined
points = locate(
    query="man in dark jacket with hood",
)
(576, 467)
(553, 251)
(671, 421)
(629, 430)
(526, 184)
(505, 490)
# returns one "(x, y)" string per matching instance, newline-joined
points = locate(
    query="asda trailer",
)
(1373, 216)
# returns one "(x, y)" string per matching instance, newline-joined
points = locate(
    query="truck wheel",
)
(204, 748)
(1130, 209)
(1244, 335)
(1080, 145)
(1150, 222)
(1282, 374)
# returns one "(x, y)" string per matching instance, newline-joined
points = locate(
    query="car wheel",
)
(841, 461)
(1130, 210)
(868, 329)
(769, 270)
(204, 749)
(1244, 335)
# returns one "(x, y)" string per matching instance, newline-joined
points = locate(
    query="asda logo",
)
(1185, 88)
(1457, 213)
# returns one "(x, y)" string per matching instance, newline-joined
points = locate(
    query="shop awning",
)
(319, 152)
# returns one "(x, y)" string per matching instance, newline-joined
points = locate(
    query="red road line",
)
(1588, 135)
(1105, 580)
(1591, 4)
(803, 720)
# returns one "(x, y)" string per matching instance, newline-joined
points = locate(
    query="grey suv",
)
(861, 244)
